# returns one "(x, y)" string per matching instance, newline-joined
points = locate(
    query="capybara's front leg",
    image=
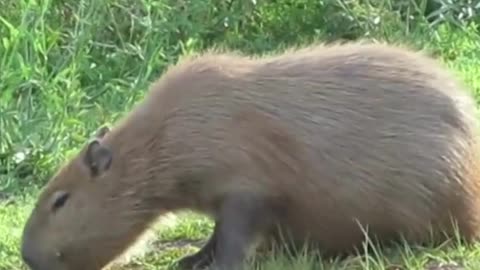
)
(202, 258)
(242, 217)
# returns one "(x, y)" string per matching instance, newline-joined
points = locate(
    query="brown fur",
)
(324, 137)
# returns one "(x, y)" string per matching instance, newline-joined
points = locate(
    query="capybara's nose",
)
(29, 261)
(28, 257)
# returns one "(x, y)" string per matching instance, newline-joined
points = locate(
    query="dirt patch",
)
(444, 266)
(159, 246)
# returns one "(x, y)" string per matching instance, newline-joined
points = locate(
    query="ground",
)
(67, 69)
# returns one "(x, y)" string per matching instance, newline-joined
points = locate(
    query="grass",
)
(67, 67)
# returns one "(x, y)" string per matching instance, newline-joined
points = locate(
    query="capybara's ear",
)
(98, 158)
(101, 132)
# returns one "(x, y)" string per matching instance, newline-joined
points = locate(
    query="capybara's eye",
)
(60, 199)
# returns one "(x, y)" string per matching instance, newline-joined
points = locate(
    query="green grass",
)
(67, 67)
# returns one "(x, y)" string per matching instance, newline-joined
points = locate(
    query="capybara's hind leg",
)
(242, 217)
(202, 258)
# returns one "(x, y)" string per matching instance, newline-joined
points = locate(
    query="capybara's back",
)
(325, 141)
(373, 136)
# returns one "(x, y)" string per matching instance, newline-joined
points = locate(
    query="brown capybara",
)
(317, 143)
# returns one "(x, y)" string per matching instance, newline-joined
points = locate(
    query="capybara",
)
(321, 144)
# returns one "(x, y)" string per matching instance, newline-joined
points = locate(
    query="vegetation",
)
(67, 67)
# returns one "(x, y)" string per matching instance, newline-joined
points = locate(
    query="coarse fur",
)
(321, 142)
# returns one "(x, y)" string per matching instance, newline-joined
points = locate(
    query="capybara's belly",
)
(344, 226)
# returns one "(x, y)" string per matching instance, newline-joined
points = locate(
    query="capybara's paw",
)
(193, 262)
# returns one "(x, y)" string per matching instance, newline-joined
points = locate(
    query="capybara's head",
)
(82, 219)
